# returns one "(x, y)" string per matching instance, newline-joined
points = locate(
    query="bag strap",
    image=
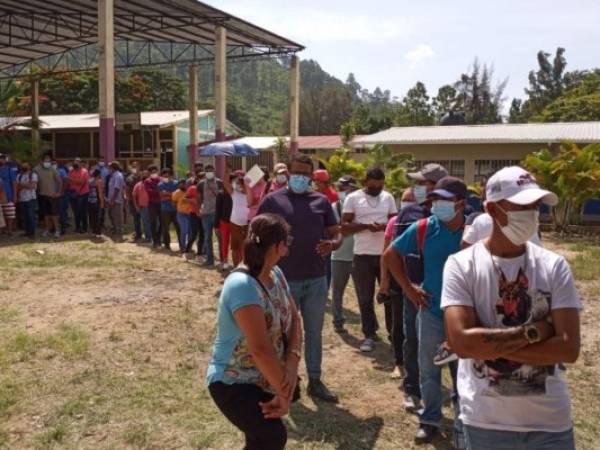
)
(421, 233)
(247, 272)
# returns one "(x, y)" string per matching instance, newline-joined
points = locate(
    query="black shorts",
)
(49, 206)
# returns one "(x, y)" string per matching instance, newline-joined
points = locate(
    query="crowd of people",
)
(471, 289)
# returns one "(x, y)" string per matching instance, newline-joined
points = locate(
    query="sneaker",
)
(398, 373)
(226, 266)
(367, 345)
(317, 389)
(208, 263)
(444, 355)
(45, 233)
(425, 433)
(411, 403)
(57, 234)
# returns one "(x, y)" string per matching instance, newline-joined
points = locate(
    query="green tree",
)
(282, 151)
(579, 103)
(480, 102)
(340, 164)
(347, 132)
(444, 102)
(416, 109)
(515, 114)
(573, 173)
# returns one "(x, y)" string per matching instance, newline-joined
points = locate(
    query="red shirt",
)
(331, 195)
(140, 194)
(191, 194)
(151, 185)
(82, 175)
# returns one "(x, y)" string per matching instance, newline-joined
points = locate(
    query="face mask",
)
(47, 165)
(444, 210)
(210, 175)
(406, 204)
(420, 193)
(281, 179)
(374, 192)
(133, 171)
(75, 166)
(54, 166)
(237, 186)
(522, 225)
(154, 175)
(342, 196)
(101, 164)
(299, 184)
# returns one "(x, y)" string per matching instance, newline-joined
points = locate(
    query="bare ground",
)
(104, 345)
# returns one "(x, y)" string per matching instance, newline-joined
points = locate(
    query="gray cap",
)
(429, 172)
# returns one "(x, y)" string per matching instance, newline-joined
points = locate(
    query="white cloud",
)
(418, 54)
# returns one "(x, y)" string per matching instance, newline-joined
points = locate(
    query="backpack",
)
(414, 261)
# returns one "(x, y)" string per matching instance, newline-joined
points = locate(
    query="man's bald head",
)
(408, 196)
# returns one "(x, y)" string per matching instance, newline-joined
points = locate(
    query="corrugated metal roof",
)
(584, 132)
(78, 121)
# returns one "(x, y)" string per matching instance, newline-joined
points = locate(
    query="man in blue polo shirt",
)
(8, 175)
(442, 237)
(316, 234)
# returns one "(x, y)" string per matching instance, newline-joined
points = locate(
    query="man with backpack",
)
(435, 239)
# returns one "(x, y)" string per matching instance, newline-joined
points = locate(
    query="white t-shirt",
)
(482, 227)
(500, 394)
(26, 195)
(367, 209)
(239, 209)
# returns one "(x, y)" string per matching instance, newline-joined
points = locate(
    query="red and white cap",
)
(516, 185)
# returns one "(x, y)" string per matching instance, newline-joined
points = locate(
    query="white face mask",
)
(210, 175)
(522, 225)
(281, 179)
(406, 204)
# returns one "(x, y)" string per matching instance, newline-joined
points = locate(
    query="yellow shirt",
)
(182, 203)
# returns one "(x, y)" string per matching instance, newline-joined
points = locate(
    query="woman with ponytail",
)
(254, 367)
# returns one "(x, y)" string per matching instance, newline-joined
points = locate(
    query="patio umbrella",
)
(230, 148)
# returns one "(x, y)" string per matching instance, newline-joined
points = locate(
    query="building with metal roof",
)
(473, 152)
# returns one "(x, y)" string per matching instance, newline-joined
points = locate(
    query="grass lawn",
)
(104, 345)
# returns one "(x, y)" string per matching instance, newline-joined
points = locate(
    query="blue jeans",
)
(431, 334)
(185, 230)
(311, 296)
(28, 216)
(208, 224)
(483, 439)
(146, 224)
(410, 350)
(64, 212)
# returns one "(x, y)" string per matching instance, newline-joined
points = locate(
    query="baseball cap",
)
(518, 186)
(280, 168)
(321, 175)
(429, 172)
(347, 180)
(449, 187)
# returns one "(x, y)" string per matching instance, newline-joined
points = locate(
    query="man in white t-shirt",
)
(234, 186)
(512, 314)
(365, 214)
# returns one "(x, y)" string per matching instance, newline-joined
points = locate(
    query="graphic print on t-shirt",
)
(516, 307)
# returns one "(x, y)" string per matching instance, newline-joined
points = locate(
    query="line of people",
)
(503, 313)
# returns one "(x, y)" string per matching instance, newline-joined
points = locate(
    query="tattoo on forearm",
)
(505, 341)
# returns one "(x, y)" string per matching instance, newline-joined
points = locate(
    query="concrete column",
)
(35, 110)
(106, 79)
(220, 93)
(192, 149)
(294, 104)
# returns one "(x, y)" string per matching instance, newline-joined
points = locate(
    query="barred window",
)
(485, 168)
(455, 167)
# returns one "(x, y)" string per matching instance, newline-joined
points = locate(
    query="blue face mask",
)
(420, 193)
(342, 196)
(444, 210)
(299, 184)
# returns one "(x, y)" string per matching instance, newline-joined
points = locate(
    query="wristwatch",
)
(532, 334)
(296, 353)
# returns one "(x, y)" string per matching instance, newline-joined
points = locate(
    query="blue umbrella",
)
(229, 148)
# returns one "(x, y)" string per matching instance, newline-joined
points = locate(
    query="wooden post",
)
(193, 99)
(294, 104)
(220, 93)
(106, 79)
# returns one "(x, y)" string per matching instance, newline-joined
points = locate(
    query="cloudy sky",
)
(395, 43)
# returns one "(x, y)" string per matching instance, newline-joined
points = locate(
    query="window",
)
(72, 145)
(455, 167)
(484, 168)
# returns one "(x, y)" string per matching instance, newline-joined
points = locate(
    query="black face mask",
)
(75, 166)
(374, 192)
